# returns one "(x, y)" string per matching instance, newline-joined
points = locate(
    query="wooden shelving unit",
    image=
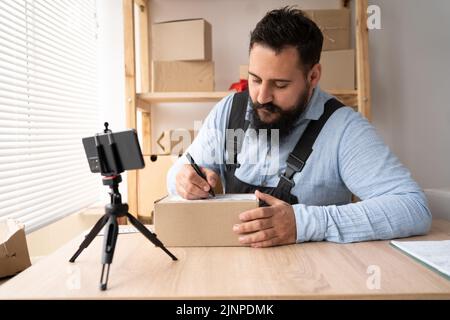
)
(359, 98)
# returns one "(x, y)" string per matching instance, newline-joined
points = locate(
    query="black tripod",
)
(114, 210)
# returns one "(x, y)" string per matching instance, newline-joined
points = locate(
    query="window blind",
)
(48, 102)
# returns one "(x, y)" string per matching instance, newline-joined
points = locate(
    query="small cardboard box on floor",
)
(14, 255)
(201, 223)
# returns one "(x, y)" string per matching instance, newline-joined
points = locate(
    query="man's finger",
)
(258, 213)
(267, 243)
(184, 194)
(252, 226)
(267, 198)
(211, 176)
(192, 177)
(259, 236)
(193, 189)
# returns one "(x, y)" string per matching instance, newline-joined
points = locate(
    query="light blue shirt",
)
(348, 157)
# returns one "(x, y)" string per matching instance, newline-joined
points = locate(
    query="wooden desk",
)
(304, 271)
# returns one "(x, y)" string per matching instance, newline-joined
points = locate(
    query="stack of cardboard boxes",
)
(182, 56)
(182, 61)
(338, 59)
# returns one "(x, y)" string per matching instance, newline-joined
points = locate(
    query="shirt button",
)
(263, 184)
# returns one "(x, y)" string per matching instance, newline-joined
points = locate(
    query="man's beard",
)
(286, 120)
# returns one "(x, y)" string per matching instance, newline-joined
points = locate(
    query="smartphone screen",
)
(128, 151)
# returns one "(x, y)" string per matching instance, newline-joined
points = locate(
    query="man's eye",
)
(256, 80)
(281, 85)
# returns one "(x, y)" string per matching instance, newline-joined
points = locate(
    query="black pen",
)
(199, 172)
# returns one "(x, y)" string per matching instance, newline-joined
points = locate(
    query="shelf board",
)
(348, 97)
(153, 97)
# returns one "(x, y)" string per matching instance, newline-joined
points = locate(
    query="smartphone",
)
(125, 155)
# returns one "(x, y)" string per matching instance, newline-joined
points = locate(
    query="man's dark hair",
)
(289, 26)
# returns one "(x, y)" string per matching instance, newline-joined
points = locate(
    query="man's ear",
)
(314, 75)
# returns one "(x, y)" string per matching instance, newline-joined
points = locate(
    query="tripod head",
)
(113, 183)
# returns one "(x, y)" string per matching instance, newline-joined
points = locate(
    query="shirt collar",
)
(315, 106)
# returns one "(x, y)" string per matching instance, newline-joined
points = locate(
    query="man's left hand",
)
(267, 226)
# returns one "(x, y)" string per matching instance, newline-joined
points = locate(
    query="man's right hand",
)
(191, 186)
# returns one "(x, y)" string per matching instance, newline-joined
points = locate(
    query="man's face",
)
(278, 88)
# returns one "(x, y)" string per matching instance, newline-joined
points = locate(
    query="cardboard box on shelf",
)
(181, 76)
(243, 72)
(182, 40)
(174, 142)
(338, 70)
(14, 256)
(201, 223)
(335, 26)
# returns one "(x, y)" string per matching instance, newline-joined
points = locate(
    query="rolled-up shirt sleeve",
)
(392, 204)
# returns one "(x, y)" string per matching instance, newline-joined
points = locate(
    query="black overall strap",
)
(236, 121)
(304, 147)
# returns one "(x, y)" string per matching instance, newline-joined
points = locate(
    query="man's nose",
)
(264, 94)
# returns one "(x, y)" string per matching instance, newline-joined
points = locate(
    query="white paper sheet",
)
(218, 197)
(123, 229)
(436, 254)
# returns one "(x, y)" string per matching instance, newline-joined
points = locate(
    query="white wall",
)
(410, 85)
(111, 63)
(111, 72)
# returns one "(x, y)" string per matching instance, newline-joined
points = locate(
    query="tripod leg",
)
(149, 235)
(90, 236)
(109, 244)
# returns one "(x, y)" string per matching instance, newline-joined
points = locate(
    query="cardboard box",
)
(172, 76)
(335, 26)
(243, 72)
(14, 256)
(182, 40)
(201, 223)
(338, 70)
(174, 142)
(153, 184)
